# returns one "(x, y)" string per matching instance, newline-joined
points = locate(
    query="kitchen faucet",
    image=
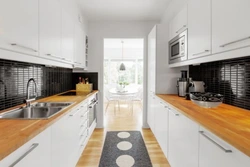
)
(28, 100)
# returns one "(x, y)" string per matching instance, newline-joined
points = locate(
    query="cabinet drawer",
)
(83, 137)
(213, 151)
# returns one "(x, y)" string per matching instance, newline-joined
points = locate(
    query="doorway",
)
(123, 83)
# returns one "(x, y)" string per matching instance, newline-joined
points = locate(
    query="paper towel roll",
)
(198, 86)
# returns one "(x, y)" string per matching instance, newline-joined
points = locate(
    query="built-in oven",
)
(178, 48)
(92, 110)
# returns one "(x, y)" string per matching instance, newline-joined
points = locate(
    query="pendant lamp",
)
(122, 66)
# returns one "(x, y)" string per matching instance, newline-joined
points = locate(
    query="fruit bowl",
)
(206, 100)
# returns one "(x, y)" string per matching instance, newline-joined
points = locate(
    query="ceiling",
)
(123, 10)
(127, 43)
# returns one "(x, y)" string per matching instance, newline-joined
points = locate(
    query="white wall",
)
(97, 31)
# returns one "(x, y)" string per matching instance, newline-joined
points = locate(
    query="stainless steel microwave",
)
(178, 48)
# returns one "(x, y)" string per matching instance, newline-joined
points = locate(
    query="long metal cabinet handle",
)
(200, 53)
(33, 146)
(163, 105)
(176, 114)
(21, 46)
(222, 148)
(184, 26)
(52, 55)
(75, 112)
(93, 104)
(239, 40)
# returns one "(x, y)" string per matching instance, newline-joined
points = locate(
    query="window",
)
(132, 75)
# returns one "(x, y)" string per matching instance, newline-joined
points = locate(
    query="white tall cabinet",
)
(151, 77)
(230, 25)
(199, 28)
(19, 26)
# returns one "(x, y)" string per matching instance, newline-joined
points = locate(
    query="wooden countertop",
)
(15, 133)
(230, 123)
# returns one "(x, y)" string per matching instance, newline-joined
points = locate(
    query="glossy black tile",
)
(15, 75)
(229, 77)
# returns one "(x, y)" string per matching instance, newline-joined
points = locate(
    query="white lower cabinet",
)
(183, 140)
(161, 125)
(67, 134)
(35, 153)
(60, 142)
(186, 144)
(214, 152)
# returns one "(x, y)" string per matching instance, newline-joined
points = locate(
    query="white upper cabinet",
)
(19, 26)
(178, 24)
(79, 54)
(152, 60)
(183, 140)
(230, 24)
(199, 28)
(50, 28)
(67, 37)
(214, 152)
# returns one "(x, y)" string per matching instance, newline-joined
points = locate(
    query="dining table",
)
(127, 94)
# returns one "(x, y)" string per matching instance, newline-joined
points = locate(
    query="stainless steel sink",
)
(52, 104)
(36, 111)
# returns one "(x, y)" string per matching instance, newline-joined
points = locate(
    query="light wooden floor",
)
(119, 121)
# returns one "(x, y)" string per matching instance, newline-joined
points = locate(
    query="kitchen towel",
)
(124, 149)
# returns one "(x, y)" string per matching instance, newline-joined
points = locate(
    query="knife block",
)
(84, 87)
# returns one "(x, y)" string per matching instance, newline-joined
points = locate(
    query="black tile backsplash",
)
(15, 75)
(228, 77)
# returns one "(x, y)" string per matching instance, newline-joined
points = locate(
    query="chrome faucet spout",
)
(28, 100)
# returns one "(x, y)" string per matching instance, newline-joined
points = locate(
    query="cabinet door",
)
(36, 152)
(217, 153)
(79, 55)
(178, 24)
(150, 114)
(19, 26)
(199, 28)
(67, 37)
(64, 140)
(152, 60)
(230, 28)
(59, 152)
(183, 140)
(50, 28)
(161, 125)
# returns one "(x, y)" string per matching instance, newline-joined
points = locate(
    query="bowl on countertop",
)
(206, 99)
